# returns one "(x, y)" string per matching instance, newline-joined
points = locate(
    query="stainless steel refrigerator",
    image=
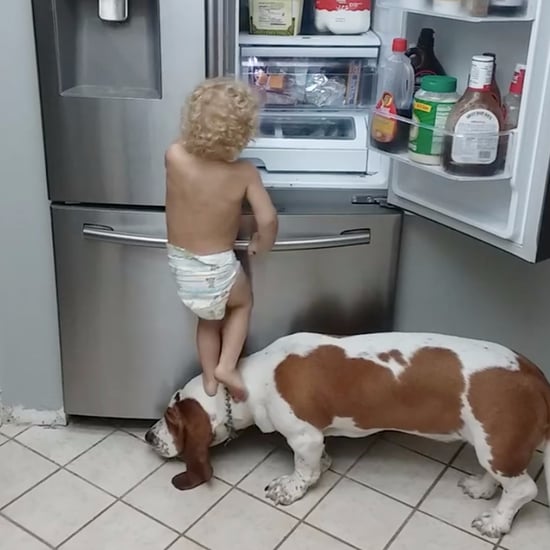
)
(113, 76)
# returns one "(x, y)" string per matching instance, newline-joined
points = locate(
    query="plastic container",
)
(276, 17)
(452, 7)
(395, 94)
(506, 7)
(431, 107)
(343, 16)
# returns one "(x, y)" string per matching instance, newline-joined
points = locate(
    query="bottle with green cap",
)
(431, 107)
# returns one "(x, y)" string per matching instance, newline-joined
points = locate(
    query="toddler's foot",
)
(210, 385)
(231, 378)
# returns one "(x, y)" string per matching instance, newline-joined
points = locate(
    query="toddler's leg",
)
(209, 338)
(234, 332)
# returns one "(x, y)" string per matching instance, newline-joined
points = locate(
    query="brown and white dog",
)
(308, 386)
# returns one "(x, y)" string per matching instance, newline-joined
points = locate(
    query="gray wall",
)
(30, 374)
(451, 283)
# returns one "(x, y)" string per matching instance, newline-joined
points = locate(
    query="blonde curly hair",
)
(219, 119)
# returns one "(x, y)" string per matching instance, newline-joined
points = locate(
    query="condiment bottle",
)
(395, 93)
(512, 101)
(473, 146)
(423, 57)
(494, 84)
(431, 107)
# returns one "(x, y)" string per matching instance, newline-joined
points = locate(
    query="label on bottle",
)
(481, 75)
(424, 141)
(476, 138)
(335, 5)
(384, 128)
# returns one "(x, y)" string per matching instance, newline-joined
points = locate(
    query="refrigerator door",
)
(508, 209)
(111, 93)
(128, 342)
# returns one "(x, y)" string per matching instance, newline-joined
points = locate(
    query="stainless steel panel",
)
(221, 37)
(127, 342)
(105, 149)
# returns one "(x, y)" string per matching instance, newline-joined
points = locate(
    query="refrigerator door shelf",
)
(426, 7)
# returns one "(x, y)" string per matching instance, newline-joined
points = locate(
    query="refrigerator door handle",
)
(351, 237)
(221, 30)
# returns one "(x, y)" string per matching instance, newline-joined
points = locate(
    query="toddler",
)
(206, 185)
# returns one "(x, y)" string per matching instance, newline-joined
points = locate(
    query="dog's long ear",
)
(197, 436)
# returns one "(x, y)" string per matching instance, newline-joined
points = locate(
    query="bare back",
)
(204, 200)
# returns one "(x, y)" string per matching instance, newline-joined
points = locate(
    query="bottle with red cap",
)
(395, 95)
(512, 101)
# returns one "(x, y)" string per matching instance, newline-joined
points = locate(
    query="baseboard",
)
(22, 415)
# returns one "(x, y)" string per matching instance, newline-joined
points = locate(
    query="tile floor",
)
(96, 485)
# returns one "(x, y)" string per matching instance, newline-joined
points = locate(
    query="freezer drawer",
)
(127, 342)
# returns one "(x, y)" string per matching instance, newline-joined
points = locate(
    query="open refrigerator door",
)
(317, 65)
(507, 207)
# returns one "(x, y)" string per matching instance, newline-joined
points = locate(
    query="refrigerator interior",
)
(504, 209)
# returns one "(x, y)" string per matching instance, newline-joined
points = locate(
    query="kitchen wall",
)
(30, 373)
(451, 283)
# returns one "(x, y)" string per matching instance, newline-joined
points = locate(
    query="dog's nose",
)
(150, 437)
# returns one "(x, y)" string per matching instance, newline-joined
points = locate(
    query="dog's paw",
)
(479, 486)
(492, 524)
(326, 462)
(286, 489)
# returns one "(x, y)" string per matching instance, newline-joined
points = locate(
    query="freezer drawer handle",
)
(345, 238)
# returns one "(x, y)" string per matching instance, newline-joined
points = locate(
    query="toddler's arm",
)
(264, 214)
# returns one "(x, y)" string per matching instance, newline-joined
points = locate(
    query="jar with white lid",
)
(343, 16)
(431, 107)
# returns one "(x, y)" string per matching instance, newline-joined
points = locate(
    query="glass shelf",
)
(399, 151)
(425, 7)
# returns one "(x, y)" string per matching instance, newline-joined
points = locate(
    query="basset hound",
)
(308, 386)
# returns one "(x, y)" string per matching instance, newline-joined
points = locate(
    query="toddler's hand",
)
(255, 245)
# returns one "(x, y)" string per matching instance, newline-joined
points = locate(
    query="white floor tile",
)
(58, 507)
(344, 451)
(185, 544)
(281, 463)
(21, 469)
(63, 443)
(3, 439)
(467, 461)
(425, 533)
(240, 522)
(14, 538)
(447, 501)
(232, 462)
(531, 529)
(11, 430)
(137, 428)
(117, 463)
(434, 449)
(543, 492)
(396, 471)
(308, 538)
(359, 515)
(121, 527)
(179, 509)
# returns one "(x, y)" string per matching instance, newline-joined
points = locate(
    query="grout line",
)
(233, 486)
(23, 528)
(116, 500)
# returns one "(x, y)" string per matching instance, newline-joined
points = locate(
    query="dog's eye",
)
(177, 397)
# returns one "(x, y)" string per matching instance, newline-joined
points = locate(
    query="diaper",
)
(204, 282)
